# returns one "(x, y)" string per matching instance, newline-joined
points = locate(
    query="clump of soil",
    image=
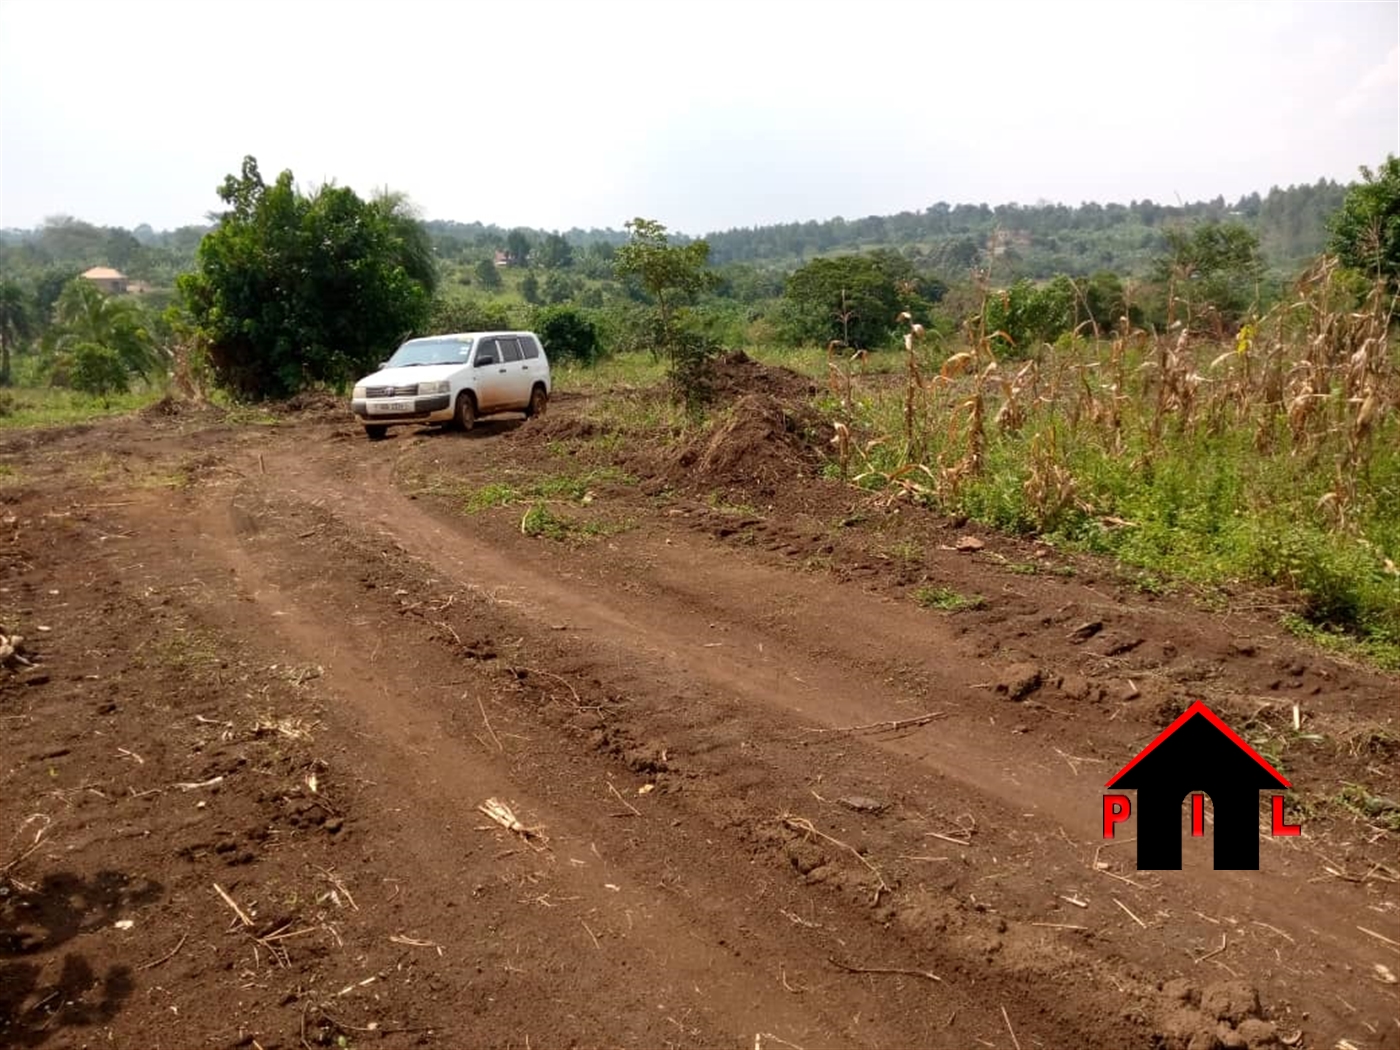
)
(758, 444)
(544, 429)
(314, 402)
(173, 406)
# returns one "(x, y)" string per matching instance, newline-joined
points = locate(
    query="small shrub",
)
(568, 334)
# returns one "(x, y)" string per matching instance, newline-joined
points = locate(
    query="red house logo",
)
(1196, 753)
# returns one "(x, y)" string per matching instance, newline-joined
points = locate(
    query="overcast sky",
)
(704, 115)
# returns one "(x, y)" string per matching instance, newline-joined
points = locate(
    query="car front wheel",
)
(375, 431)
(465, 415)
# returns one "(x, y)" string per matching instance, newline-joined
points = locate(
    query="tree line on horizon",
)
(1033, 241)
(368, 272)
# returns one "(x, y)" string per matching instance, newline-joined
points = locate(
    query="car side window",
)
(487, 348)
(531, 348)
(510, 349)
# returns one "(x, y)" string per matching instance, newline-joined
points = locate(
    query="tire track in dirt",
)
(316, 620)
(792, 657)
(437, 778)
(695, 584)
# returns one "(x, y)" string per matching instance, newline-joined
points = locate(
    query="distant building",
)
(108, 280)
(505, 258)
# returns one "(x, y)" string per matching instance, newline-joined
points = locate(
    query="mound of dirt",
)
(173, 407)
(544, 429)
(313, 402)
(737, 374)
(759, 444)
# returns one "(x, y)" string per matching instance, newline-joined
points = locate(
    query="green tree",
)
(100, 343)
(1213, 269)
(596, 260)
(468, 315)
(518, 244)
(1366, 231)
(530, 289)
(292, 289)
(556, 253)
(487, 275)
(16, 322)
(557, 287)
(95, 369)
(48, 286)
(1025, 315)
(671, 274)
(854, 298)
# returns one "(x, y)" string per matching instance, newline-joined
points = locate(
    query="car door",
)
(533, 366)
(491, 376)
(517, 386)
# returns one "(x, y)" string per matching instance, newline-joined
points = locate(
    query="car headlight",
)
(442, 387)
(358, 393)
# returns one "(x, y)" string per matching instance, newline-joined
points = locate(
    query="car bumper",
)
(434, 409)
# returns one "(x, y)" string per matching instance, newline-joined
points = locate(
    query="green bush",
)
(468, 315)
(568, 334)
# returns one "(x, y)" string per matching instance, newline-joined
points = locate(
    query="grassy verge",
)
(50, 407)
(572, 488)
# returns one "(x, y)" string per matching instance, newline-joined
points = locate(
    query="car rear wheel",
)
(539, 401)
(465, 414)
(375, 431)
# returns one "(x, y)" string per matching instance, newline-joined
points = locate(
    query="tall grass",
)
(1273, 459)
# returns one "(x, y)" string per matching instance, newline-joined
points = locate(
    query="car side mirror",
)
(483, 361)
(383, 364)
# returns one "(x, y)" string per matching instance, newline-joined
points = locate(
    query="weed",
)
(906, 552)
(947, 599)
(1370, 742)
(1374, 809)
(1298, 808)
(540, 521)
(1382, 653)
(571, 488)
(496, 494)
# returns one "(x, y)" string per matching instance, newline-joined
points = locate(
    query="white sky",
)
(704, 115)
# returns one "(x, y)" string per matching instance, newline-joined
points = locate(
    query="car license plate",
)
(390, 408)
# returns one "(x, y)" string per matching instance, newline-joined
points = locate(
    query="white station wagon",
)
(454, 379)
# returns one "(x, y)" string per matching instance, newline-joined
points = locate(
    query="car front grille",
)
(392, 391)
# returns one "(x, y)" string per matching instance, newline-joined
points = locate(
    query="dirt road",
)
(766, 796)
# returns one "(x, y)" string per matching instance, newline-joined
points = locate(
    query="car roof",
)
(470, 335)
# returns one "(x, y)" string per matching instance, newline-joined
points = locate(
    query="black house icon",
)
(1198, 752)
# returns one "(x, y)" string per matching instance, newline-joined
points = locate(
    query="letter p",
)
(1116, 809)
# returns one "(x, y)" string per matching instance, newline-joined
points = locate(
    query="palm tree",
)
(16, 323)
(101, 338)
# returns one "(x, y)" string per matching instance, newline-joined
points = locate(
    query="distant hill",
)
(1035, 241)
(1044, 239)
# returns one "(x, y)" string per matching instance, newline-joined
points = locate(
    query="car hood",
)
(411, 375)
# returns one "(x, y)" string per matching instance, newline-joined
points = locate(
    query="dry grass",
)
(1274, 457)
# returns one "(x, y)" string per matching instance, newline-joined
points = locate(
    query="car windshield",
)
(431, 352)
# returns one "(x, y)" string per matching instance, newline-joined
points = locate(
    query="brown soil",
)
(276, 670)
(759, 445)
